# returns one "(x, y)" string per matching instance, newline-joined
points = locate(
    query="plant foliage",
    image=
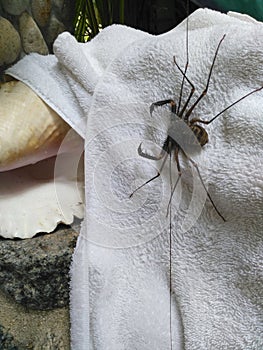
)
(153, 16)
(92, 15)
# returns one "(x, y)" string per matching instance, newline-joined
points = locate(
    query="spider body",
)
(200, 134)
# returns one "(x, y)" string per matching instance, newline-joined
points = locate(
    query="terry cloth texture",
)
(120, 269)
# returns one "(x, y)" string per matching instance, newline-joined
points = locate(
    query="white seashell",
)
(29, 129)
(33, 199)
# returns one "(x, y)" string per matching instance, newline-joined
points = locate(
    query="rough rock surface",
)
(10, 43)
(37, 22)
(41, 10)
(35, 272)
(6, 340)
(15, 7)
(32, 39)
(26, 329)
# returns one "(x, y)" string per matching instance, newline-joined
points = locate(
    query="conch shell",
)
(29, 129)
(41, 165)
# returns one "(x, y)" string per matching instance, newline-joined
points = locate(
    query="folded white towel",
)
(120, 273)
(120, 270)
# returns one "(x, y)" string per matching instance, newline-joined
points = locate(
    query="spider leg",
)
(180, 113)
(148, 156)
(181, 89)
(188, 113)
(186, 63)
(153, 178)
(164, 153)
(206, 190)
(176, 156)
(162, 103)
(196, 120)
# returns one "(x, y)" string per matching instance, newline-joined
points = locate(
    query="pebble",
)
(41, 10)
(15, 7)
(68, 8)
(55, 27)
(31, 26)
(59, 4)
(32, 39)
(35, 272)
(10, 42)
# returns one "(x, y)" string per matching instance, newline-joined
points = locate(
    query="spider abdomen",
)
(200, 134)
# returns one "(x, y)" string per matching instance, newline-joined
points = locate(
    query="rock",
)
(58, 4)
(64, 10)
(24, 329)
(32, 39)
(6, 340)
(10, 43)
(55, 27)
(48, 19)
(41, 10)
(15, 7)
(35, 272)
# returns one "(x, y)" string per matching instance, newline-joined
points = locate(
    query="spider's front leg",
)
(148, 156)
(162, 103)
(164, 153)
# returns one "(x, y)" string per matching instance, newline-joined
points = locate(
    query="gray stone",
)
(41, 10)
(38, 22)
(23, 329)
(31, 36)
(64, 10)
(15, 7)
(58, 4)
(10, 44)
(6, 340)
(35, 272)
(55, 27)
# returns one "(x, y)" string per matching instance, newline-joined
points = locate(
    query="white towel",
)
(120, 270)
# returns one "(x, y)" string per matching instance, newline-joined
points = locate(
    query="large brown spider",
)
(170, 146)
